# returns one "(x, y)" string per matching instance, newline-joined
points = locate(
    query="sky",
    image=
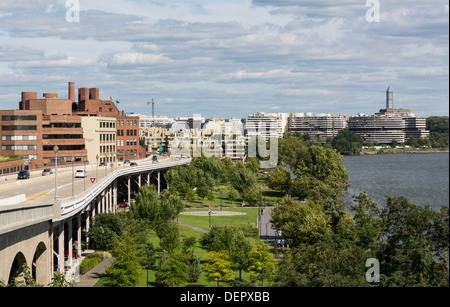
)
(230, 58)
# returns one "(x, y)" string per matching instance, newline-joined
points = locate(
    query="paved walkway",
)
(266, 232)
(192, 226)
(93, 276)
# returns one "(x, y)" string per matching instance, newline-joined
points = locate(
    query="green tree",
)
(170, 240)
(416, 246)
(301, 223)
(104, 229)
(253, 164)
(347, 143)
(368, 227)
(303, 185)
(292, 150)
(250, 195)
(242, 179)
(229, 238)
(227, 169)
(328, 263)
(438, 124)
(279, 179)
(218, 267)
(262, 266)
(172, 272)
(156, 212)
(233, 195)
(125, 269)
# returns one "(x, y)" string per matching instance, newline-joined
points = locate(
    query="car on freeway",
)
(23, 175)
(155, 159)
(47, 171)
(102, 164)
(126, 161)
(80, 174)
(133, 164)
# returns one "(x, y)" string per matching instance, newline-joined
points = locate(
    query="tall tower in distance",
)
(389, 98)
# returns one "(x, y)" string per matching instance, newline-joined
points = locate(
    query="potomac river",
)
(422, 178)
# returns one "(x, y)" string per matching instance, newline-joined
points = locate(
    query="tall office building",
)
(389, 98)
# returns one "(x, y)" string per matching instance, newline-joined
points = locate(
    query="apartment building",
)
(100, 136)
(128, 146)
(317, 126)
(378, 128)
(156, 139)
(146, 121)
(388, 125)
(267, 125)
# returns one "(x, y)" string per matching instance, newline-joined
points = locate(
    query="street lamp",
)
(56, 149)
(96, 173)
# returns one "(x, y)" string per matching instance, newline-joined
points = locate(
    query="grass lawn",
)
(269, 197)
(250, 217)
(199, 252)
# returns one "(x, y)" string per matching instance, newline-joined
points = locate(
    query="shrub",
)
(88, 264)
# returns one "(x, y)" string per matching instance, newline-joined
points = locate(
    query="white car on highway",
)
(80, 174)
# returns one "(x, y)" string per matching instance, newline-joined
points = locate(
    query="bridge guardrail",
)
(72, 205)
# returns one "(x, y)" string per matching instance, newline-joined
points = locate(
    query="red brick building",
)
(41, 123)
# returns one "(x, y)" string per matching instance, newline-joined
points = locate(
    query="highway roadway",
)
(42, 188)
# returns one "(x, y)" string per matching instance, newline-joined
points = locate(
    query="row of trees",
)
(203, 175)
(331, 244)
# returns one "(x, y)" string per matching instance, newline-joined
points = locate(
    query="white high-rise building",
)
(267, 125)
(318, 126)
(389, 98)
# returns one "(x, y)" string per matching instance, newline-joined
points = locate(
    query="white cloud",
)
(231, 57)
(135, 58)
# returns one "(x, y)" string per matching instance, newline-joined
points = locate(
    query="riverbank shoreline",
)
(394, 152)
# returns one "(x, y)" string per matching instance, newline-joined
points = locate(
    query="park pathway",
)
(192, 226)
(267, 233)
(93, 276)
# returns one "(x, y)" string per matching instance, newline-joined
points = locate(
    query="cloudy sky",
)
(231, 58)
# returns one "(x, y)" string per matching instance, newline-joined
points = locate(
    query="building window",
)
(19, 138)
(19, 128)
(18, 117)
(20, 147)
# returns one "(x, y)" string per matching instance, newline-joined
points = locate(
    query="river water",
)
(422, 178)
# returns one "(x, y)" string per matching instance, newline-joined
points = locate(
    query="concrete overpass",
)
(48, 235)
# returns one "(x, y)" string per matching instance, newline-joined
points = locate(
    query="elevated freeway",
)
(46, 233)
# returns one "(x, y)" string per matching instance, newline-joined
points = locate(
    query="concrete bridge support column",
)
(69, 241)
(148, 178)
(61, 248)
(129, 189)
(159, 182)
(103, 210)
(106, 197)
(110, 192)
(79, 236)
(89, 210)
(115, 196)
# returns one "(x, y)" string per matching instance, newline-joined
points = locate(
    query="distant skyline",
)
(230, 58)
